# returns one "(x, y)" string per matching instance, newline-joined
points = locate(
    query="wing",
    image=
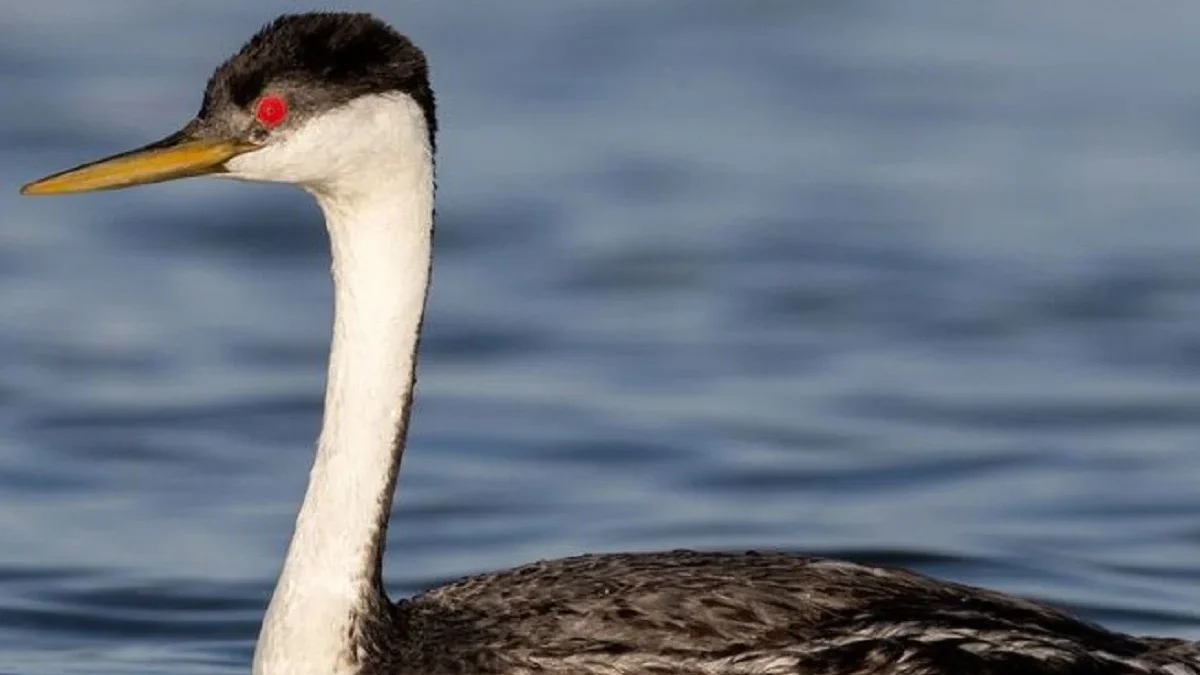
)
(686, 613)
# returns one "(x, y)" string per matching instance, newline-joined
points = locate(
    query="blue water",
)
(913, 283)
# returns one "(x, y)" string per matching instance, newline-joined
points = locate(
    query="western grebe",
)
(340, 104)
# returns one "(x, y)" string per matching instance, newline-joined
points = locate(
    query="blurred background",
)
(911, 283)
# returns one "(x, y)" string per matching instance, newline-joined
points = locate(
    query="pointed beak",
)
(179, 155)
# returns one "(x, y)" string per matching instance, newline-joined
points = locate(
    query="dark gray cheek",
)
(258, 135)
(226, 123)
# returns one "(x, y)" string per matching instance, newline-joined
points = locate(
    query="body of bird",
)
(696, 613)
(340, 105)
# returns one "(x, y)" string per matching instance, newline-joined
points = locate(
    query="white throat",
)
(378, 208)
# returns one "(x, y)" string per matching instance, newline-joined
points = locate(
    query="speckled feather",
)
(320, 60)
(690, 613)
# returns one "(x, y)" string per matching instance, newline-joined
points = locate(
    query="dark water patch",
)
(199, 413)
(615, 451)
(37, 481)
(827, 442)
(496, 225)
(1165, 621)
(121, 449)
(108, 625)
(285, 227)
(49, 148)
(884, 473)
(1164, 572)
(49, 576)
(178, 596)
(1123, 290)
(643, 271)
(1028, 413)
(1115, 513)
(276, 353)
(644, 179)
(471, 342)
(907, 558)
(106, 364)
(434, 510)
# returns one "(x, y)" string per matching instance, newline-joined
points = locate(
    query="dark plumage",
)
(318, 61)
(687, 613)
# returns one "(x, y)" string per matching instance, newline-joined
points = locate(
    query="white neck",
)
(380, 224)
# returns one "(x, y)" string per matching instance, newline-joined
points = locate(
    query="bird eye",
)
(271, 111)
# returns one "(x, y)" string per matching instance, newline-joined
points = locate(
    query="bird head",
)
(312, 99)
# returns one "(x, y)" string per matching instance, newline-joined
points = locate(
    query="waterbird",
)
(340, 105)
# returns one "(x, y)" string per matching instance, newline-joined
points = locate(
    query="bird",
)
(340, 104)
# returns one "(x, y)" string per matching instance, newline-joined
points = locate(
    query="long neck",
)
(381, 258)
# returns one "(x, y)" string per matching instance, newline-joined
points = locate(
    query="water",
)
(917, 285)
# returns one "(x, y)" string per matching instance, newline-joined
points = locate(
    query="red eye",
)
(272, 110)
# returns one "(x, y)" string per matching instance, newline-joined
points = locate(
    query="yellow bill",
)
(171, 158)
